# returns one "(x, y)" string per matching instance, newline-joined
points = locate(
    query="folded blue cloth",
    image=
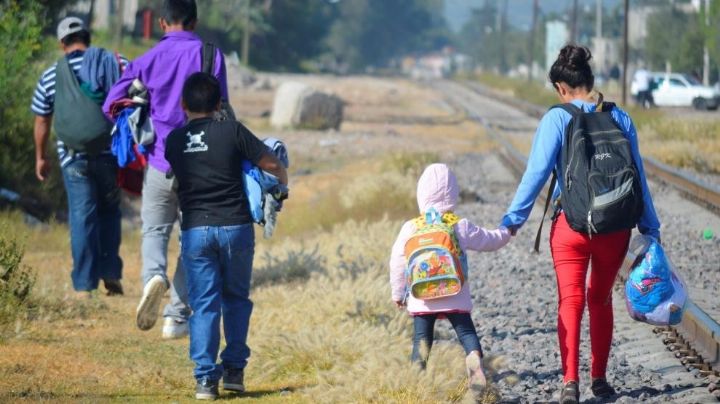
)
(122, 142)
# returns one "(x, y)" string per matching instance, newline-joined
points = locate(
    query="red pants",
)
(572, 252)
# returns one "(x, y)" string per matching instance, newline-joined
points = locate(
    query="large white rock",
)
(297, 105)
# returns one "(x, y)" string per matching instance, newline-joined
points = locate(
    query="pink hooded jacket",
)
(438, 187)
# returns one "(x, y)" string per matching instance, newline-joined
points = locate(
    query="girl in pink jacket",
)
(438, 188)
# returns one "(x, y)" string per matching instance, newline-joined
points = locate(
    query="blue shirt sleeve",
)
(649, 223)
(544, 156)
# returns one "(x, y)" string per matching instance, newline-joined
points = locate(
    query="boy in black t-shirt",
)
(217, 237)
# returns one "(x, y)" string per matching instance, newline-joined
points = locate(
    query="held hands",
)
(399, 305)
(513, 228)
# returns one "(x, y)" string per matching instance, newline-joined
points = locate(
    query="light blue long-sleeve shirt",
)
(545, 155)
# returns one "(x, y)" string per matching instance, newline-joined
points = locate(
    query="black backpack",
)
(603, 192)
(78, 121)
(208, 65)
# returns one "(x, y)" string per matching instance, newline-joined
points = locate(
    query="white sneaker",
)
(149, 307)
(476, 376)
(173, 329)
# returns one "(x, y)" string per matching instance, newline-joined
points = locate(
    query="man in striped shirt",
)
(90, 179)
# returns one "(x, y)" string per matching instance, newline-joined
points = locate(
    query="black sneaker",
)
(113, 287)
(206, 389)
(233, 380)
(602, 389)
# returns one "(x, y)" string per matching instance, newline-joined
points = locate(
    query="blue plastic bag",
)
(653, 292)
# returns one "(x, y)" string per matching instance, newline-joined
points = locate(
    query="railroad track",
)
(696, 340)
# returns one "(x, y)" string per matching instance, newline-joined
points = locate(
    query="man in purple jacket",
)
(163, 69)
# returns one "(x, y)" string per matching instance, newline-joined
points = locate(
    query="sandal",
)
(570, 393)
(602, 389)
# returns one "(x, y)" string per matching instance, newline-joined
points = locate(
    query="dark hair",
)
(201, 92)
(179, 11)
(77, 37)
(573, 67)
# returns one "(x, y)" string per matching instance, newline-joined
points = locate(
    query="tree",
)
(676, 37)
(21, 29)
(296, 33)
(493, 43)
(373, 32)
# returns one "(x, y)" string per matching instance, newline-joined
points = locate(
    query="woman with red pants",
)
(573, 251)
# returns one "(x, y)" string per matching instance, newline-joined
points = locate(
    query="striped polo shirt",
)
(44, 98)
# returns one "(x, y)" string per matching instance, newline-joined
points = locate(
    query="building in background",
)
(557, 35)
(105, 13)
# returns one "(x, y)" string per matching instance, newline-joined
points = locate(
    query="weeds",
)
(16, 283)
(297, 265)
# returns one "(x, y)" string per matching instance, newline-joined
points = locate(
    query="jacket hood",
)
(437, 187)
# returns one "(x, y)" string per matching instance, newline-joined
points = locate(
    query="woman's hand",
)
(399, 304)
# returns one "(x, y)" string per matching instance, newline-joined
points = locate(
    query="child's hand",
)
(513, 229)
(399, 305)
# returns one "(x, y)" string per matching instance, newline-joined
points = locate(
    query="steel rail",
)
(696, 340)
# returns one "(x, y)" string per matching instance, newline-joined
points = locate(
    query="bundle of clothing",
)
(133, 131)
(265, 193)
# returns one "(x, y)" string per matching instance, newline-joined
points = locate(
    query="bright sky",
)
(519, 11)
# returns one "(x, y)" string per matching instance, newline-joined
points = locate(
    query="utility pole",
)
(706, 51)
(246, 34)
(625, 52)
(503, 30)
(598, 18)
(600, 48)
(119, 22)
(574, 26)
(531, 40)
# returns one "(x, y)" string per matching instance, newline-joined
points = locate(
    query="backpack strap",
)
(208, 58)
(547, 204)
(450, 218)
(569, 107)
(606, 106)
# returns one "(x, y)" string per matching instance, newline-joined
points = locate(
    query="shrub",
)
(16, 283)
(22, 46)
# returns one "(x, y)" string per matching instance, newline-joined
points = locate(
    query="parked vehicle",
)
(682, 90)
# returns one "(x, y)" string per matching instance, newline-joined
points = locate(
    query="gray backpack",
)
(78, 121)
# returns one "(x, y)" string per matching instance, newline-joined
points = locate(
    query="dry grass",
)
(323, 327)
(330, 334)
(692, 145)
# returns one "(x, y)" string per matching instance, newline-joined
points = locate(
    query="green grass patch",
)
(531, 91)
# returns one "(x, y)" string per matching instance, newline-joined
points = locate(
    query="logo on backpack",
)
(437, 266)
(602, 156)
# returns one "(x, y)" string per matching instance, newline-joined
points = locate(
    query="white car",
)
(682, 90)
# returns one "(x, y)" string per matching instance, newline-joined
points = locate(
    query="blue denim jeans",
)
(94, 212)
(218, 265)
(462, 323)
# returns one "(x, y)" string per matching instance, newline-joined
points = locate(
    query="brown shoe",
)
(113, 286)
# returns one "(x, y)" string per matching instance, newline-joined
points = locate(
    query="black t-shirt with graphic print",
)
(205, 156)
